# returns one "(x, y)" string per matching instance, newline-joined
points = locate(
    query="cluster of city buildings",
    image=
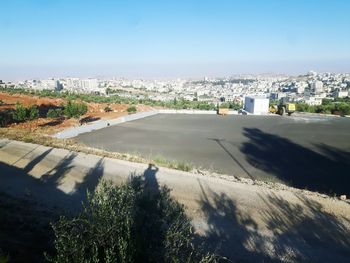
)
(313, 87)
(310, 88)
(90, 85)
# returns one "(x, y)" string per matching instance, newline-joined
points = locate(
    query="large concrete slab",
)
(302, 150)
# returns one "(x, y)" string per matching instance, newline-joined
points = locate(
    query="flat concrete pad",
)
(304, 151)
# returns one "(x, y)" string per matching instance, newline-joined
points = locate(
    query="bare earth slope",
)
(247, 223)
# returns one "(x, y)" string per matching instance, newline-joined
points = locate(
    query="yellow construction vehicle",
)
(273, 109)
(285, 106)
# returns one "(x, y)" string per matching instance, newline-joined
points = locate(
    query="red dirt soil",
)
(50, 126)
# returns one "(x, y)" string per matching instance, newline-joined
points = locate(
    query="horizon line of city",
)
(206, 77)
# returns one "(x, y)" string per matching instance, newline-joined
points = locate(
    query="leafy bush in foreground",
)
(127, 223)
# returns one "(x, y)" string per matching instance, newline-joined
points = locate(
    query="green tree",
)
(74, 110)
(225, 105)
(32, 112)
(20, 113)
(235, 106)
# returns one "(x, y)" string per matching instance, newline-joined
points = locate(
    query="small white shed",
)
(256, 105)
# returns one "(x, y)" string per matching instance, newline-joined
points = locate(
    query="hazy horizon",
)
(177, 39)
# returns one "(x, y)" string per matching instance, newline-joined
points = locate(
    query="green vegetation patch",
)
(131, 109)
(74, 110)
(180, 103)
(337, 106)
(137, 221)
(54, 113)
(22, 113)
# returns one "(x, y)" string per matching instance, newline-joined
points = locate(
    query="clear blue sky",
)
(42, 38)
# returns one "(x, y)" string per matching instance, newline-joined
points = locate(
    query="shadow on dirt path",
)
(295, 232)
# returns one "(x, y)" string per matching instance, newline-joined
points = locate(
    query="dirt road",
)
(246, 222)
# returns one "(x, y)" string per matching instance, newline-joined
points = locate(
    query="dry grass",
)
(178, 165)
(37, 137)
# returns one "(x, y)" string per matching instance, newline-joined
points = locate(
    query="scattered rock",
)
(200, 172)
(342, 197)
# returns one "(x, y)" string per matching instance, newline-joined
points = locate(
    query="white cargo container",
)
(256, 105)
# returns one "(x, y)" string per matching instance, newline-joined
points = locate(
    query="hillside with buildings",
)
(310, 88)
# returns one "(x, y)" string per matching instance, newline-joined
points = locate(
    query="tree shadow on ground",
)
(281, 231)
(305, 231)
(88, 119)
(45, 187)
(6, 117)
(54, 122)
(46, 201)
(44, 109)
(37, 160)
(296, 165)
(228, 229)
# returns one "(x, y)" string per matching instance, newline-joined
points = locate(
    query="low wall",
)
(187, 111)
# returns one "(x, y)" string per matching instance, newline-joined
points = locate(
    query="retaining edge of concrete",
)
(97, 125)
(100, 124)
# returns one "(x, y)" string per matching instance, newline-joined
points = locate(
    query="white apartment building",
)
(313, 100)
(317, 86)
(341, 93)
(89, 84)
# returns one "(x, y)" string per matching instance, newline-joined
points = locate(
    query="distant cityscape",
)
(310, 88)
